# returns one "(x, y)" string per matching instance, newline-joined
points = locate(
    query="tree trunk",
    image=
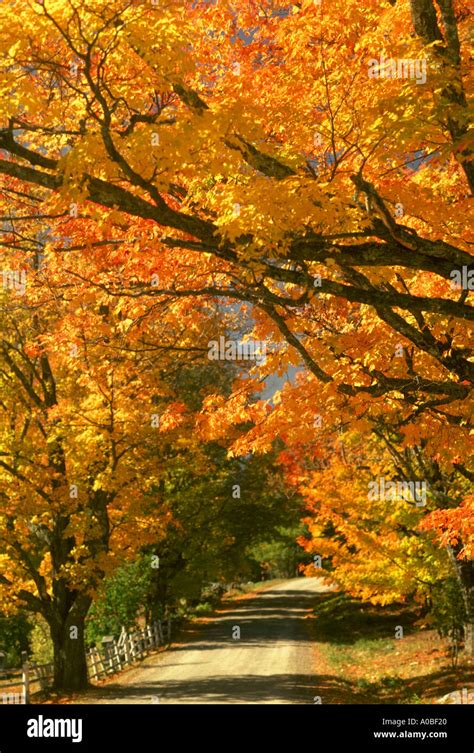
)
(67, 634)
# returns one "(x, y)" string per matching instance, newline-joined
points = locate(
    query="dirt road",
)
(272, 662)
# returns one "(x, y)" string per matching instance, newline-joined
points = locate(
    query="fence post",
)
(122, 636)
(168, 628)
(126, 648)
(132, 645)
(100, 663)
(156, 633)
(108, 647)
(150, 636)
(94, 667)
(160, 628)
(25, 677)
(117, 656)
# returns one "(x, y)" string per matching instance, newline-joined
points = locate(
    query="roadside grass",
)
(356, 646)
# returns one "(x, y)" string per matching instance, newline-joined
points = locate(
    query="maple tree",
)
(83, 431)
(188, 157)
(374, 545)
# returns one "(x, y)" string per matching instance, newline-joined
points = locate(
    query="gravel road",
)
(272, 662)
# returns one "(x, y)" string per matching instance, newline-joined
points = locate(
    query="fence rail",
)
(112, 657)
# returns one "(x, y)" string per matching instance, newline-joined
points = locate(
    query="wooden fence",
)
(17, 685)
(130, 647)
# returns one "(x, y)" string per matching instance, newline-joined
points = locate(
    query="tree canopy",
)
(295, 175)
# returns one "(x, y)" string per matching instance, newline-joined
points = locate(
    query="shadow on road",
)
(262, 619)
(278, 688)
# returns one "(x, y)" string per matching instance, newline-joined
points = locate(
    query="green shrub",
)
(120, 602)
(41, 645)
(15, 633)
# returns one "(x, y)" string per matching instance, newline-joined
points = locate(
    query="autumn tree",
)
(82, 422)
(367, 524)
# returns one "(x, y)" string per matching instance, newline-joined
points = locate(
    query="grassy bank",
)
(360, 660)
